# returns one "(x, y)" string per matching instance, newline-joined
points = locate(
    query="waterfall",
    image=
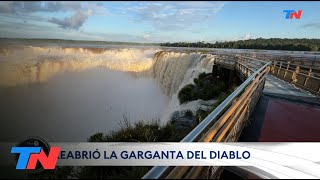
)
(171, 70)
(174, 69)
(38, 64)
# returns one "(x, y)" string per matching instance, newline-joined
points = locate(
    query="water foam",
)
(38, 64)
(171, 70)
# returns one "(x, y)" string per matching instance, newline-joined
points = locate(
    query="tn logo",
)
(292, 13)
(29, 156)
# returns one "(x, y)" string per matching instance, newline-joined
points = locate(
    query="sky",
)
(158, 21)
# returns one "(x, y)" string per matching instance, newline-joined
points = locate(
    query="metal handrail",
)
(293, 64)
(158, 171)
(305, 77)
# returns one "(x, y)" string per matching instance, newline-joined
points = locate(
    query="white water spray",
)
(171, 70)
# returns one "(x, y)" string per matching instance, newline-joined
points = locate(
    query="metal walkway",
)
(270, 109)
(281, 118)
(278, 86)
(284, 113)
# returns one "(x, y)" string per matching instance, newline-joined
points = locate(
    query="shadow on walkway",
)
(283, 118)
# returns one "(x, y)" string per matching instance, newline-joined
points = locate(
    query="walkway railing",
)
(224, 124)
(306, 77)
(304, 60)
(225, 61)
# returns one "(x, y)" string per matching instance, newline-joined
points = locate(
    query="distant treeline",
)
(260, 43)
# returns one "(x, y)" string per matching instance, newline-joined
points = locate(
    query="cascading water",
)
(170, 70)
(38, 64)
(174, 70)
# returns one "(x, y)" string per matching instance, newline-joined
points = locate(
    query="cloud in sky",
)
(162, 16)
(171, 16)
(80, 12)
(5, 7)
(73, 22)
(312, 25)
(13, 30)
(246, 37)
(146, 36)
(37, 6)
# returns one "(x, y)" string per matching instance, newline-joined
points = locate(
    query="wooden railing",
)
(305, 77)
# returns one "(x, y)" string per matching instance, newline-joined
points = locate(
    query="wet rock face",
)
(183, 121)
(186, 119)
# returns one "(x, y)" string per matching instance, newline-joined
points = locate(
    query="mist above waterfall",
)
(74, 105)
(68, 94)
(38, 64)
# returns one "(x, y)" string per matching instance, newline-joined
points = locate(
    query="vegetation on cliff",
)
(142, 131)
(205, 87)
